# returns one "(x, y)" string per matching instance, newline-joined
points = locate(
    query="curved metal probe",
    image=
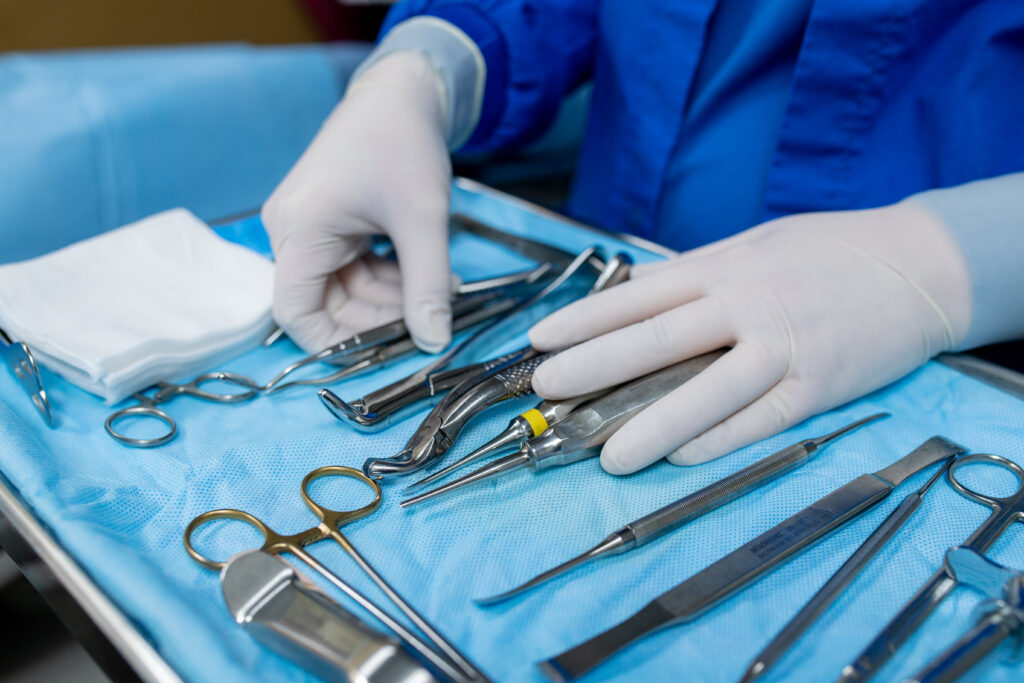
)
(438, 432)
(692, 506)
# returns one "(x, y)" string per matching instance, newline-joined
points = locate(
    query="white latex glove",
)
(819, 309)
(379, 165)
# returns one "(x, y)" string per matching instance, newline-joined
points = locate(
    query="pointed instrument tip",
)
(509, 462)
(754, 671)
(843, 431)
(497, 443)
(611, 545)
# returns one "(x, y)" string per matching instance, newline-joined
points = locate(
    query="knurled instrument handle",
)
(518, 379)
(677, 513)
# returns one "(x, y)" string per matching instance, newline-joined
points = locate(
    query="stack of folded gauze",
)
(161, 299)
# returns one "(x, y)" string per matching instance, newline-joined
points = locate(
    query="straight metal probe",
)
(510, 462)
(511, 436)
(689, 508)
(835, 586)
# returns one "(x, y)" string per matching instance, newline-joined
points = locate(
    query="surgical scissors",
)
(1005, 511)
(147, 405)
(449, 660)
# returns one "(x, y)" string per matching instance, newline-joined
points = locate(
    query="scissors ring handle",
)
(988, 458)
(141, 411)
(339, 518)
(213, 515)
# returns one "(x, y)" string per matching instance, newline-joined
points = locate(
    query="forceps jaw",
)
(345, 411)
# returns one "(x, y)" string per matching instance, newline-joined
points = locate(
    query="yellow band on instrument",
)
(536, 420)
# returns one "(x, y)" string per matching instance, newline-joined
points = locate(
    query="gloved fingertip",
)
(641, 270)
(435, 333)
(615, 461)
(693, 453)
(543, 336)
(546, 381)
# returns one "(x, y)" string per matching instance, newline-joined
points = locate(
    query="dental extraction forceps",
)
(507, 377)
(22, 364)
(442, 426)
(147, 405)
(1005, 511)
(446, 658)
(374, 410)
(580, 435)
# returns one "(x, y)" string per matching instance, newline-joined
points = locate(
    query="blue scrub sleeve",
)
(454, 56)
(986, 217)
(535, 53)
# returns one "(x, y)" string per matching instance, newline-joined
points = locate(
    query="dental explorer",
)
(713, 584)
(699, 503)
(577, 437)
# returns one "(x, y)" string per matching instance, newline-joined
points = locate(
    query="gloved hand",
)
(379, 165)
(818, 308)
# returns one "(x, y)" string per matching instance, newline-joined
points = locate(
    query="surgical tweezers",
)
(376, 409)
(438, 431)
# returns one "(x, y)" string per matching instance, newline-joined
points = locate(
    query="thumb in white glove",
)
(379, 165)
(819, 309)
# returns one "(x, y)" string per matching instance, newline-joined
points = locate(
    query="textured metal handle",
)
(754, 558)
(730, 488)
(518, 379)
(596, 422)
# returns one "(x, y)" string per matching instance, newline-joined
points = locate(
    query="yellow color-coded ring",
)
(536, 420)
